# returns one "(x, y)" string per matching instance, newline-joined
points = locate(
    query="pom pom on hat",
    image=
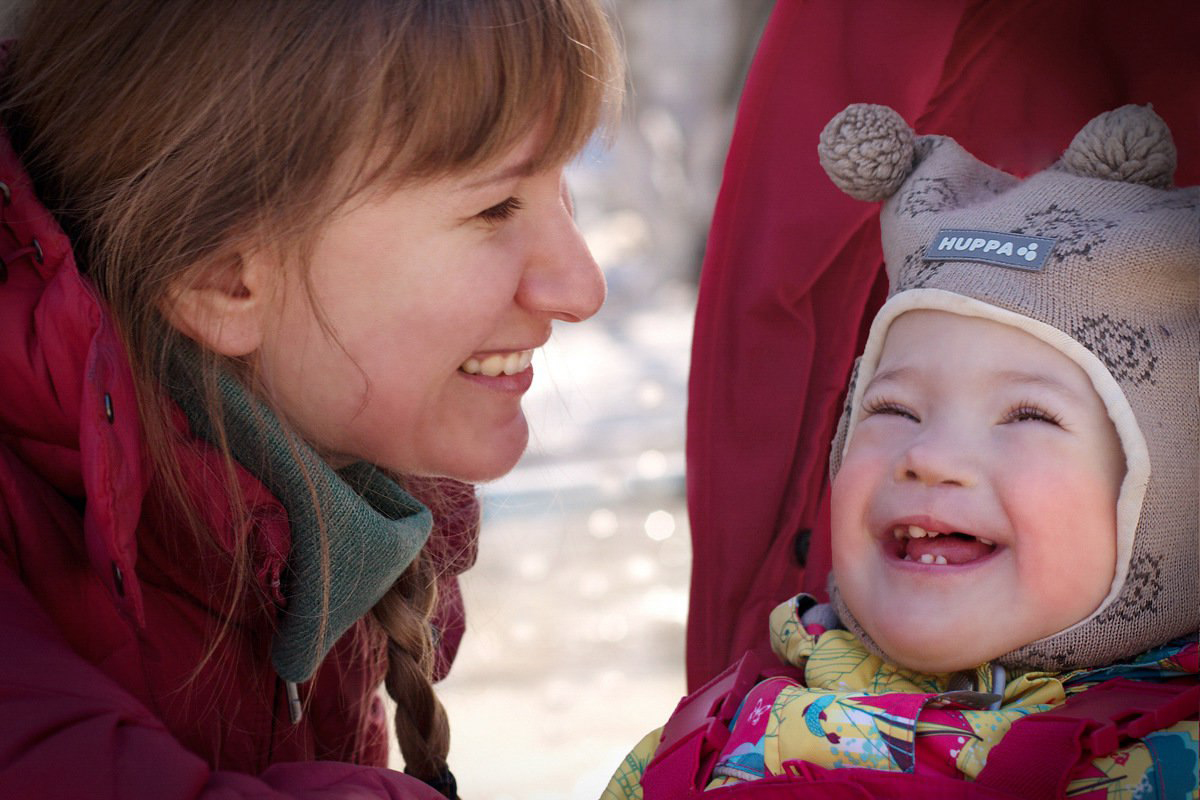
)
(1130, 143)
(867, 151)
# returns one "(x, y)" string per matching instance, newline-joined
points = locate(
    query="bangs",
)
(167, 134)
(471, 78)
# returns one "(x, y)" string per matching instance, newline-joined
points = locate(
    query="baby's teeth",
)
(926, 558)
(988, 542)
(471, 366)
(917, 532)
(940, 560)
(898, 533)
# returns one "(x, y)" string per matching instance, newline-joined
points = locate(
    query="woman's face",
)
(430, 301)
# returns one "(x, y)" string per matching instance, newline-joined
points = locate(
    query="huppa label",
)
(990, 247)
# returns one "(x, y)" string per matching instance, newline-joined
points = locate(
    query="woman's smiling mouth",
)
(496, 364)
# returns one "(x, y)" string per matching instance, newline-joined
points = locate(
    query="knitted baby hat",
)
(1097, 256)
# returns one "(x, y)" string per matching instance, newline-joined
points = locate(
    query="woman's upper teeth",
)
(498, 363)
(917, 532)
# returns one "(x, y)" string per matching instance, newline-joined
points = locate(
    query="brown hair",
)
(162, 133)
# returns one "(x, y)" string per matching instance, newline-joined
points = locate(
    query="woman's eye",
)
(501, 211)
(1030, 413)
(888, 408)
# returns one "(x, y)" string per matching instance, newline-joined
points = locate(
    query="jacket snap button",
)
(108, 408)
(800, 545)
(118, 579)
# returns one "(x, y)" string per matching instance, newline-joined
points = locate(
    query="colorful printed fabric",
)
(858, 711)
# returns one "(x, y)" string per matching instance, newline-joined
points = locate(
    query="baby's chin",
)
(935, 663)
(937, 649)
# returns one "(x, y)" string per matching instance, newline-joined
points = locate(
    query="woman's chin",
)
(486, 457)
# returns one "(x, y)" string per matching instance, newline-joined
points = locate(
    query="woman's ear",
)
(224, 307)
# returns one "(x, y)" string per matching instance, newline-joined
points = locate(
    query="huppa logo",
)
(990, 247)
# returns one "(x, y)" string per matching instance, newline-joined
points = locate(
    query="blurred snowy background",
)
(576, 607)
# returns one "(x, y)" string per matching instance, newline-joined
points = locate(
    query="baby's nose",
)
(937, 459)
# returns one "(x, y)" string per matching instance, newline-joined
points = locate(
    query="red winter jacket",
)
(104, 621)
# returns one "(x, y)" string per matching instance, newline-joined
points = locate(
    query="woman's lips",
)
(508, 373)
(495, 364)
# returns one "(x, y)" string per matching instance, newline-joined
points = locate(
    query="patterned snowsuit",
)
(855, 710)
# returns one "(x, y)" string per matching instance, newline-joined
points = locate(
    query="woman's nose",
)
(562, 278)
(937, 458)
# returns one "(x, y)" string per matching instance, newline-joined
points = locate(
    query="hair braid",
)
(422, 728)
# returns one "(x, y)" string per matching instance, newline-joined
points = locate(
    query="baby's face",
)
(975, 508)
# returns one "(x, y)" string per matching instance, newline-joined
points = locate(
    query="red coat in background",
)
(107, 686)
(793, 270)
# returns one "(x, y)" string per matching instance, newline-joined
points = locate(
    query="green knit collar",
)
(374, 528)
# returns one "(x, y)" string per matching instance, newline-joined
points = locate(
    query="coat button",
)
(800, 545)
(108, 408)
(118, 579)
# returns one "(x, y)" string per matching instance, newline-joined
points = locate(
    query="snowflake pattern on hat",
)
(1124, 348)
(1076, 234)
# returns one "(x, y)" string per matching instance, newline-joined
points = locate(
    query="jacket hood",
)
(75, 420)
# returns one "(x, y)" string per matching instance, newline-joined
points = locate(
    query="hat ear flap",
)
(842, 432)
(867, 151)
(1130, 144)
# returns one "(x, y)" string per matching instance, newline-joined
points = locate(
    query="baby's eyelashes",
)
(1019, 412)
(889, 408)
(1027, 412)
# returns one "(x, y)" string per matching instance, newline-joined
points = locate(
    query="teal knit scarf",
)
(373, 527)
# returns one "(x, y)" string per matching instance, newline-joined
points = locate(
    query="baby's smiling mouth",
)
(914, 543)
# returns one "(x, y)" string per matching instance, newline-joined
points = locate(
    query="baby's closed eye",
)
(1029, 412)
(885, 407)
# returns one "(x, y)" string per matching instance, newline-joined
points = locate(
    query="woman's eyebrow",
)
(518, 170)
